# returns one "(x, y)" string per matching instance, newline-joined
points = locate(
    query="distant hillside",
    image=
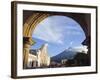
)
(66, 54)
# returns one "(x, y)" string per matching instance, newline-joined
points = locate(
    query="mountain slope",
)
(66, 54)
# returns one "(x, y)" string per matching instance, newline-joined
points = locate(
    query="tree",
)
(82, 59)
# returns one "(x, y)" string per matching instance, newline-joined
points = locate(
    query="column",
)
(27, 43)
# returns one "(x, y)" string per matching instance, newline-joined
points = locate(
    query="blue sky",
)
(59, 32)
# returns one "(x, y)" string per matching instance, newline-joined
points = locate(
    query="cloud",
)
(48, 33)
(71, 42)
(71, 32)
(82, 48)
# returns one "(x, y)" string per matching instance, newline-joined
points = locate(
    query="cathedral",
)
(39, 58)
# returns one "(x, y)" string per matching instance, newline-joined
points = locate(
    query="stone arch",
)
(31, 23)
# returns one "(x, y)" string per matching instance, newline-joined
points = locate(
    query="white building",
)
(39, 58)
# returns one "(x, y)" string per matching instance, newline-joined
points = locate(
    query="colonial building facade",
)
(39, 58)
